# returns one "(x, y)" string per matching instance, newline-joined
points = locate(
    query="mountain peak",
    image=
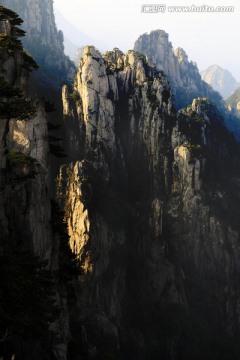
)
(220, 79)
(183, 75)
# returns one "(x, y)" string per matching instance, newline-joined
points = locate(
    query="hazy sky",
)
(208, 38)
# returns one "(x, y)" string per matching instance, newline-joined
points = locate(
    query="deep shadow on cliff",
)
(36, 264)
(141, 259)
(151, 206)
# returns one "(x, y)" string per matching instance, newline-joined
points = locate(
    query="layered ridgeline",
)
(43, 41)
(35, 260)
(151, 215)
(184, 76)
(221, 80)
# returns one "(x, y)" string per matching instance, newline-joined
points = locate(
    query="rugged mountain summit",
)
(43, 40)
(150, 214)
(184, 77)
(221, 80)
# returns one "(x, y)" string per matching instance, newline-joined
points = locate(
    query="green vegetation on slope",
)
(12, 101)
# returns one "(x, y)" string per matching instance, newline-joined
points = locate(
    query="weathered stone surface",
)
(148, 215)
(139, 217)
(25, 211)
(184, 76)
(31, 136)
(43, 40)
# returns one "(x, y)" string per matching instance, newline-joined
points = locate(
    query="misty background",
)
(208, 38)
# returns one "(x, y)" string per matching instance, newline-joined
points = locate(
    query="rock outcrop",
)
(184, 76)
(221, 80)
(149, 214)
(78, 54)
(233, 102)
(43, 40)
(151, 202)
(29, 228)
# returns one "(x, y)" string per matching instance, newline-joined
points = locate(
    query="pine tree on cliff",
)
(26, 286)
(12, 101)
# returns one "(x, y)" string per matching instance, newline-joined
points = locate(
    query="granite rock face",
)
(146, 211)
(151, 214)
(26, 221)
(43, 40)
(78, 54)
(38, 19)
(184, 76)
(221, 80)
(31, 137)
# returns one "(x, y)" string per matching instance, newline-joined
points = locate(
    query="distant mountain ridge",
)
(185, 79)
(73, 37)
(221, 80)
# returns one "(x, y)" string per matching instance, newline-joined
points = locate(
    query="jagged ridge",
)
(146, 207)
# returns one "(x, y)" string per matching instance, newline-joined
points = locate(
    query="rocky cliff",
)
(221, 80)
(184, 76)
(43, 40)
(150, 214)
(18, 135)
(44, 43)
(33, 246)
